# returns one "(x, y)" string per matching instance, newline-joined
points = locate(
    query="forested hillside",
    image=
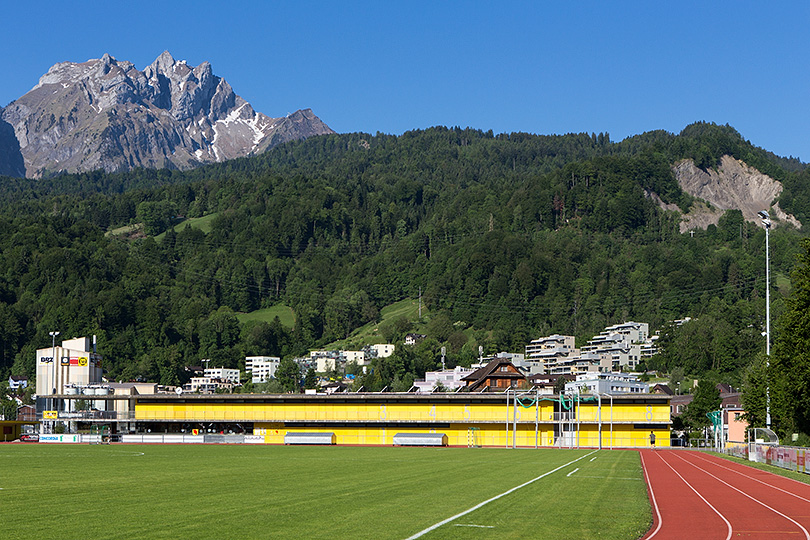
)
(509, 237)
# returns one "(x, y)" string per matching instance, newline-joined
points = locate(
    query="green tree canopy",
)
(288, 374)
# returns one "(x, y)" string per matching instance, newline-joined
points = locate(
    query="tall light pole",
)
(766, 222)
(53, 362)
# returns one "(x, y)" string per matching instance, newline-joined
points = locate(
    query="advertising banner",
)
(54, 438)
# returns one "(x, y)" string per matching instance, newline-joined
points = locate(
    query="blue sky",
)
(539, 67)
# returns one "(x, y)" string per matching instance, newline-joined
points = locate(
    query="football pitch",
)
(245, 491)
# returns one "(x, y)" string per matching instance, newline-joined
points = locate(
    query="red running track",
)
(700, 496)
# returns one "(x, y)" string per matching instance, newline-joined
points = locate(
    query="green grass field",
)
(204, 223)
(370, 333)
(142, 491)
(284, 313)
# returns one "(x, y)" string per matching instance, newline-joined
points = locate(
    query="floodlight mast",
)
(766, 222)
(53, 371)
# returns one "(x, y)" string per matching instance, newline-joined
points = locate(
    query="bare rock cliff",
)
(734, 185)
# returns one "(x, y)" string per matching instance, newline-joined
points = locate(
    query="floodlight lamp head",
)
(763, 214)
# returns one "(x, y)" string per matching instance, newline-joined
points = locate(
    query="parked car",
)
(29, 437)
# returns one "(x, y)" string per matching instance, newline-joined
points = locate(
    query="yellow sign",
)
(83, 361)
(50, 415)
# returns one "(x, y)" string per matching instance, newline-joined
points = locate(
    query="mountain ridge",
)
(106, 114)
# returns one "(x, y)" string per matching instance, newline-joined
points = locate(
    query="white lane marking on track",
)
(716, 511)
(806, 534)
(702, 458)
(593, 458)
(495, 498)
(471, 525)
(572, 472)
(652, 496)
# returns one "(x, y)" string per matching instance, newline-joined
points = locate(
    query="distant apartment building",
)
(223, 374)
(325, 360)
(358, 357)
(326, 363)
(208, 385)
(616, 348)
(619, 346)
(336, 360)
(607, 383)
(543, 354)
(261, 368)
(382, 350)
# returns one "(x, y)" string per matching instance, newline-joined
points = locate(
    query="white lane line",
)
(806, 534)
(611, 477)
(716, 511)
(471, 525)
(702, 458)
(495, 498)
(652, 496)
(593, 458)
(572, 472)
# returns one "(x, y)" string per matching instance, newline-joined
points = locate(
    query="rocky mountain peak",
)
(105, 113)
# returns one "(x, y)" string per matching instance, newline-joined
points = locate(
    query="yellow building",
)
(373, 419)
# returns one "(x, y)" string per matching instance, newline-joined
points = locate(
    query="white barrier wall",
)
(786, 457)
(157, 438)
(163, 439)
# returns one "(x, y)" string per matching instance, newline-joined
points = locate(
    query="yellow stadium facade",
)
(493, 420)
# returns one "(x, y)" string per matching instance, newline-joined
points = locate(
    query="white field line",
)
(774, 510)
(605, 477)
(572, 472)
(758, 480)
(716, 511)
(495, 498)
(471, 525)
(593, 458)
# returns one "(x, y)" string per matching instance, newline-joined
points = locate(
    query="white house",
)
(15, 383)
(223, 374)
